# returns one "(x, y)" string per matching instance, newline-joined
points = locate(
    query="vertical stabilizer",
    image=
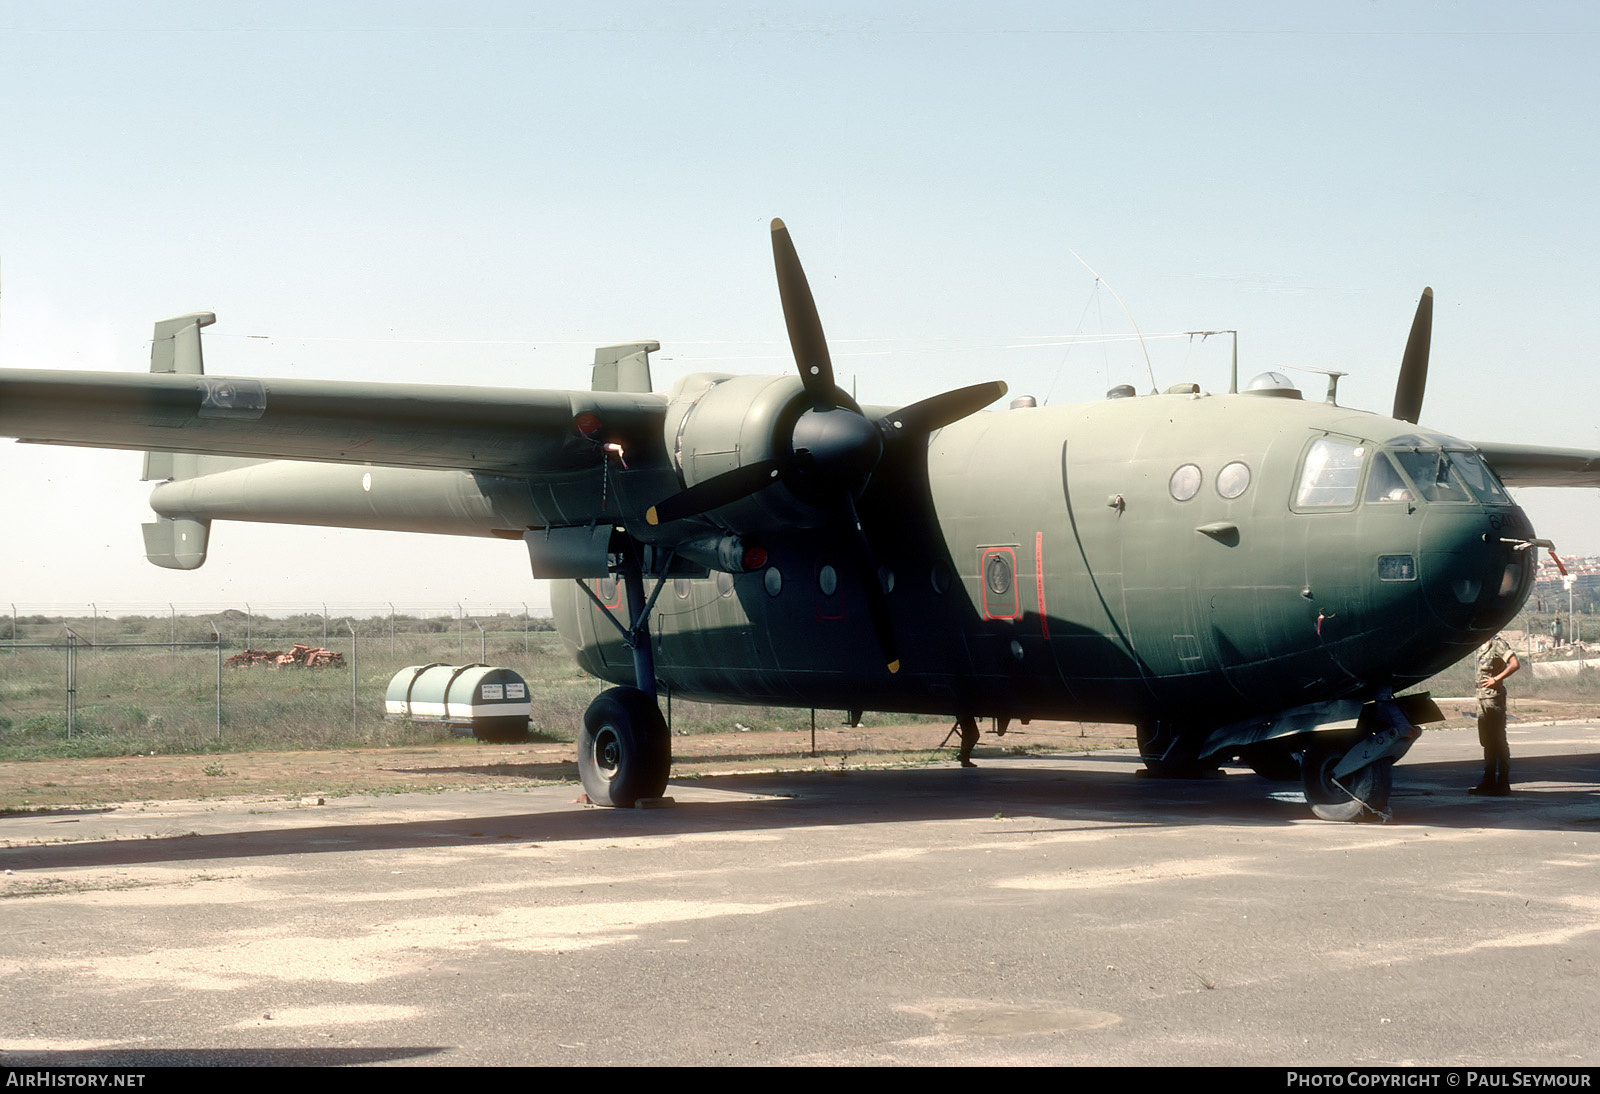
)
(176, 348)
(177, 543)
(624, 367)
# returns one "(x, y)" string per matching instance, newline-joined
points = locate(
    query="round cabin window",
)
(828, 580)
(1233, 480)
(1185, 482)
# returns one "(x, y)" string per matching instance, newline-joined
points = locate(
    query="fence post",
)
(72, 681)
(216, 637)
(355, 665)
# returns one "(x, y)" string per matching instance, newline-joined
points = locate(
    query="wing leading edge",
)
(1535, 465)
(510, 432)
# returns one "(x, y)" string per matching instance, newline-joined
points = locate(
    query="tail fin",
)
(624, 367)
(177, 543)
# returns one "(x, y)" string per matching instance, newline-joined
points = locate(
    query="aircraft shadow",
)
(1100, 790)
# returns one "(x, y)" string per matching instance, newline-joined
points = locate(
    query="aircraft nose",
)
(1471, 579)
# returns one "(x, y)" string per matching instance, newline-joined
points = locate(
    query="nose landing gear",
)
(1357, 795)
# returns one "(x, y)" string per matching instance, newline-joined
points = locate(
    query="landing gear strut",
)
(625, 750)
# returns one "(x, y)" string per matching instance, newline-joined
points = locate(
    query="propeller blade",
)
(1414, 365)
(805, 326)
(921, 418)
(872, 588)
(717, 491)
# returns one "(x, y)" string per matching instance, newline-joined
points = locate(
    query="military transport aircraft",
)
(1250, 574)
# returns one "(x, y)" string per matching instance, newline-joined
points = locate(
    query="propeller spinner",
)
(833, 449)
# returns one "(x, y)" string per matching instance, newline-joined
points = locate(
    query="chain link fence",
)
(93, 684)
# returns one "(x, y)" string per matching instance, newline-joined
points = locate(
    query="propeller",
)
(1414, 365)
(833, 449)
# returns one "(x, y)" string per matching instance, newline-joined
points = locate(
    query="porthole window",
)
(941, 577)
(773, 581)
(724, 584)
(997, 574)
(1185, 482)
(1233, 480)
(680, 586)
(886, 580)
(828, 580)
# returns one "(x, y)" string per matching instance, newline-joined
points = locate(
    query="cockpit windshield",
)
(1472, 467)
(1412, 470)
(1433, 473)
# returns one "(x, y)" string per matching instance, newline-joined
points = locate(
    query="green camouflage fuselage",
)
(1047, 569)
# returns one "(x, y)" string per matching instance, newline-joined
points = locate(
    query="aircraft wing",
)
(510, 432)
(1534, 465)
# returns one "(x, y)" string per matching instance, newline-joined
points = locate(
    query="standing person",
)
(968, 725)
(1496, 661)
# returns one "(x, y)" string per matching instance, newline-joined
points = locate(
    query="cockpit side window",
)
(1433, 473)
(1329, 476)
(1384, 482)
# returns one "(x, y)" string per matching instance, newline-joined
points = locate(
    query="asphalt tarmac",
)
(1031, 911)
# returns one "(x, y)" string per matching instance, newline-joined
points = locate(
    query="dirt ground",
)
(461, 763)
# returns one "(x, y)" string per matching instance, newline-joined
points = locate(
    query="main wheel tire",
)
(1365, 791)
(625, 751)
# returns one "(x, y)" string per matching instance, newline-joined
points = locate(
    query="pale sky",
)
(482, 192)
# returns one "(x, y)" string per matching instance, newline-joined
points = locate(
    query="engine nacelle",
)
(716, 423)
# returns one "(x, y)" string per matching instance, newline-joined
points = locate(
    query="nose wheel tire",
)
(1362, 793)
(624, 751)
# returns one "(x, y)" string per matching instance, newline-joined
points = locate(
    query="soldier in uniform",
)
(1496, 661)
(968, 725)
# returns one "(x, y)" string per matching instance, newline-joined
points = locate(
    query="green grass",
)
(154, 699)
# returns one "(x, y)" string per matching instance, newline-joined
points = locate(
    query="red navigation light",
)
(587, 424)
(754, 557)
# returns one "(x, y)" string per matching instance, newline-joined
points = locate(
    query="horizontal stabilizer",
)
(177, 543)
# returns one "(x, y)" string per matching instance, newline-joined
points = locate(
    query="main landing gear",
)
(624, 751)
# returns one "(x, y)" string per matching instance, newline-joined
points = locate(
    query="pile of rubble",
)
(311, 657)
